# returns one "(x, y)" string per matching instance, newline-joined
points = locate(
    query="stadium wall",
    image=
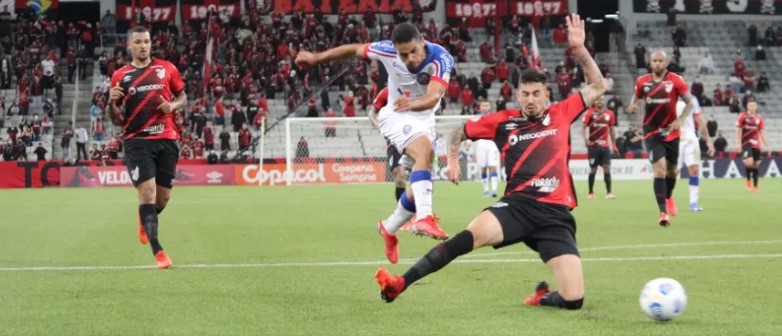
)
(33, 174)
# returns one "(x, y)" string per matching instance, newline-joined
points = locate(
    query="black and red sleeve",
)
(485, 127)
(175, 82)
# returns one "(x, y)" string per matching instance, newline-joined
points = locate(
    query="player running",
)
(488, 158)
(142, 100)
(660, 90)
(690, 149)
(600, 140)
(750, 131)
(539, 195)
(418, 74)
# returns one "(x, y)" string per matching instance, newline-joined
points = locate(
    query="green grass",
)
(273, 226)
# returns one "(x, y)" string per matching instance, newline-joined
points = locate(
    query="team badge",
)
(161, 73)
(423, 78)
(608, 118)
(647, 89)
(547, 120)
(668, 87)
(406, 130)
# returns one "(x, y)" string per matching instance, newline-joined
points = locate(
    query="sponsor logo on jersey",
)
(545, 185)
(515, 138)
(154, 129)
(145, 88)
(499, 205)
(658, 100)
(126, 79)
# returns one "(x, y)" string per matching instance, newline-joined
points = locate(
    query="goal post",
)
(346, 150)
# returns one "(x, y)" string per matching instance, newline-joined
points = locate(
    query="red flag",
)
(534, 52)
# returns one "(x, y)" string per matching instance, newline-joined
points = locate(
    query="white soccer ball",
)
(663, 299)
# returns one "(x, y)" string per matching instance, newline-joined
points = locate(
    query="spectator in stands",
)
(560, 35)
(739, 67)
(615, 104)
(225, 140)
(747, 97)
(47, 68)
(564, 82)
(8, 151)
(81, 142)
(5, 73)
(609, 82)
(770, 36)
(58, 94)
(487, 77)
(36, 127)
(634, 140)
(302, 148)
(697, 89)
(720, 144)
(98, 129)
(95, 152)
(763, 83)
(115, 147)
(501, 103)
(238, 118)
(349, 109)
(40, 152)
(749, 80)
(735, 84)
(244, 138)
(760, 53)
(312, 108)
(454, 89)
(706, 64)
(679, 36)
(712, 126)
(753, 35)
(485, 52)
(65, 141)
(506, 91)
(330, 129)
(467, 97)
(734, 104)
(671, 18)
(109, 24)
(26, 136)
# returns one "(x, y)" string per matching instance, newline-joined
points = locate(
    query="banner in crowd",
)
(477, 10)
(199, 9)
(39, 7)
(708, 7)
(151, 10)
(118, 176)
(312, 173)
(334, 6)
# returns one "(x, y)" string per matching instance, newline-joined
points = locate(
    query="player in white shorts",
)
(488, 158)
(690, 150)
(418, 75)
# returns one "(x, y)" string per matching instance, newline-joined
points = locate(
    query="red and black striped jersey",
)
(750, 129)
(660, 99)
(145, 89)
(599, 124)
(536, 150)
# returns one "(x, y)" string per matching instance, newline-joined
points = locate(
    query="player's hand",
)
(402, 104)
(453, 170)
(305, 58)
(710, 147)
(615, 150)
(587, 142)
(116, 93)
(575, 31)
(676, 125)
(165, 106)
(632, 108)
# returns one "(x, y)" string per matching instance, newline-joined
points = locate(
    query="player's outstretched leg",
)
(148, 213)
(694, 186)
(425, 222)
(405, 209)
(494, 180)
(484, 230)
(567, 271)
(485, 182)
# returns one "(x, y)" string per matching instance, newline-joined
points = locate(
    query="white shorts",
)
(487, 154)
(401, 128)
(689, 152)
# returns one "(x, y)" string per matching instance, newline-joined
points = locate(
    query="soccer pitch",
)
(300, 261)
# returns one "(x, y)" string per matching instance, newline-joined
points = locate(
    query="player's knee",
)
(146, 193)
(161, 201)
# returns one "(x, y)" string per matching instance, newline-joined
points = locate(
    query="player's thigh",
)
(756, 155)
(689, 152)
(655, 148)
(404, 130)
(140, 160)
(603, 156)
(166, 160)
(481, 158)
(494, 158)
(486, 230)
(555, 232)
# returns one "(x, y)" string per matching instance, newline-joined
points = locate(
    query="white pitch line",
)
(623, 247)
(383, 262)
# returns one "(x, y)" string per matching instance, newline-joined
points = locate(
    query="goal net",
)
(351, 150)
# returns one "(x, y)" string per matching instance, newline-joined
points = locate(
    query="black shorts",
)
(599, 156)
(658, 148)
(152, 158)
(548, 229)
(747, 151)
(393, 157)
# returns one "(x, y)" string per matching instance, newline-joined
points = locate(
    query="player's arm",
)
(689, 105)
(373, 117)
(380, 101)
(435, 90)
(596, 85)
(454, 144)
(762, 133)
(636, 99)
(334, 54)
(704, 131)
(585, 132)
(483, 128)
(612, 137)
(177, 86)
(115, 107)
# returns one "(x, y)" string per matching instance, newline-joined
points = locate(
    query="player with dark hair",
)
(142, 99)
(539, 195)
(600, 140)
(661, 90)
(418, 74)
(750, 131)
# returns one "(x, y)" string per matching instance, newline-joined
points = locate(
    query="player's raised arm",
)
(306, 58)
(596, 85)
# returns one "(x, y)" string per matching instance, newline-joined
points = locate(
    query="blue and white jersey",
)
(437, 66)
(688, 130)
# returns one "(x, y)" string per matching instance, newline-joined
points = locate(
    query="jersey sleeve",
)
(612, 122)
(696, 107)
(586, 118)
(381, 99)
(380, 50)
(570, 108)
(680, 86)
(740, 121)
(115, 78)
(638, 87)
(761, 124)
(485, 127)
(175, 82)
(443, 65)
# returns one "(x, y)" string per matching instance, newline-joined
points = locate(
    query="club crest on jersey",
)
(668, 87)
(423, 78)
(126, 79)
(161, 73)
(647, 89)
(547, 120)
(607, 118)
(407, 129)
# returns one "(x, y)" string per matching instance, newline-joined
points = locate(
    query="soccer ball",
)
(663, 299)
